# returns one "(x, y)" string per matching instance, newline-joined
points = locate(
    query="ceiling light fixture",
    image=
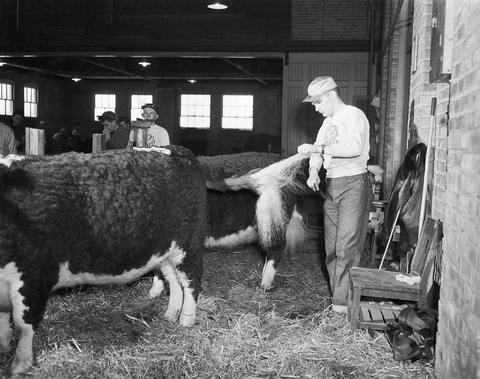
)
(192, 81)
(2, 64)
(76, 80)
(217, 6)
(144, 63)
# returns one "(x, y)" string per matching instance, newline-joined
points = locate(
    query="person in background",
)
(75, 140)
(7, 140)
(18, 127)
(342, 147)
(124, 123)
(156, 135)
(60, 142)
(115, 136)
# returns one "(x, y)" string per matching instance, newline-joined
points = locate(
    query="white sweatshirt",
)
(346, 137)
(157, 136)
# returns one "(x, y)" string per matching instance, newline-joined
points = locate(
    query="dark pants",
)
(346, 210)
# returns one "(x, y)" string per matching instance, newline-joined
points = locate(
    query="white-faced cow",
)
(76, 219)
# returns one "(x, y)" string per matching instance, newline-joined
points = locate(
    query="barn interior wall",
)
(63, 103)
(51, 98)
(458, 353)
(454, 182)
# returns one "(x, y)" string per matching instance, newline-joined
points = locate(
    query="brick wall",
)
(329, 20)
(458, 346)
(390, 134)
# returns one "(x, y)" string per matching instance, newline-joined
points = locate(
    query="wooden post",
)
(34, 141)
(141, 137)
(98, 143)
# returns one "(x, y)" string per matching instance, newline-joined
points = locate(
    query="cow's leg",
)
(175, 300)
(23, 360)
(157, 286)
(189, 308)
(5, 331)
(190, 275)
(269, 271)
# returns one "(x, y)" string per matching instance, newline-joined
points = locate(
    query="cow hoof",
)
(19, 368)
(187, 320)
(266, 286)
(171, 316)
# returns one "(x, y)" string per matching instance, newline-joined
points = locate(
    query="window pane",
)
(103, 103)
(237, 112)
(6, 98)
(30, 105)
(137, 102)
(195, 111)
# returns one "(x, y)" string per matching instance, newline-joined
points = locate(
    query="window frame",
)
(105, 109)
(11, 83)
(25, 102)
(131, 102)
(195, 116)
(223, 117)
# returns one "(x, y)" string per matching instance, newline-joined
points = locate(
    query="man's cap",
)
(108, 115)
(151, 106)
(319, 87)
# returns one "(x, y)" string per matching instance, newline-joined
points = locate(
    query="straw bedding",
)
(241, 331)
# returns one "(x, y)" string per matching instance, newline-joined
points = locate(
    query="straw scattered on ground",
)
(241, 331)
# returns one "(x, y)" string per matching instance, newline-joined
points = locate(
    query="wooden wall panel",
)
(300, 122)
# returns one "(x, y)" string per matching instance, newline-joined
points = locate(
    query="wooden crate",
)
(376, 315)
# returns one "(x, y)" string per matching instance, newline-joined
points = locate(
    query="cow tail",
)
(233, 184)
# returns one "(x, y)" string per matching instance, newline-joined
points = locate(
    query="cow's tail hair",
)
(11, 178)
(296, 234)
(279, 174)
(233, 184)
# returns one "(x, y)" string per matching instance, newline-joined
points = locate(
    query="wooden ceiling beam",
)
(111, 68)
(240, 68)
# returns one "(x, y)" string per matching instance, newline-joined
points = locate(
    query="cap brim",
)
(310, 99)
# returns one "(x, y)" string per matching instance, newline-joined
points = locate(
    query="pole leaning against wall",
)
(427, 164)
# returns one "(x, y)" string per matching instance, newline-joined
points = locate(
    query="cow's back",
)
(106, 213)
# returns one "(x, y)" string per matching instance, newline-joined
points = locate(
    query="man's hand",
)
(313, 180)
(308, 148)
(106, 133)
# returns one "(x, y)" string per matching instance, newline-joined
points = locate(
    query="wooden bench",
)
(382, 284)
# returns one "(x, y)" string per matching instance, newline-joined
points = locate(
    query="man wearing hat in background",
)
(115, 136)
(342, 147)
(156, 136)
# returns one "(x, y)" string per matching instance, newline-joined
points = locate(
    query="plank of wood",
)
(97, 142)
(34, 141)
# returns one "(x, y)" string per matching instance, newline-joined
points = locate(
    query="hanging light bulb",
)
(144, 63)
(217, 5)
(191, 81)
(76, 80)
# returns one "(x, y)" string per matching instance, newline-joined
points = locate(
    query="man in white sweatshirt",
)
(342, 147)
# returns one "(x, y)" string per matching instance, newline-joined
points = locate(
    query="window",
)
(6, 99)
(137, 102)
(237, 112)
(30, 98)
(195, 111)
(103, 103)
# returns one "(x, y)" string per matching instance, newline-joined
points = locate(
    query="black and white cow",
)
(256, 207)
(76, 219)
